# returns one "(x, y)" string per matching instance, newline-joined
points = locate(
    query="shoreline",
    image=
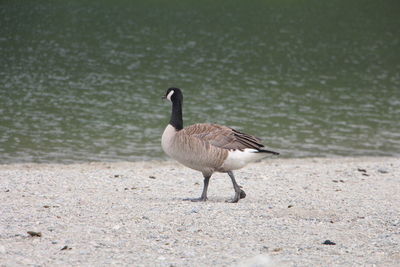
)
(172, 161)
(126, 213)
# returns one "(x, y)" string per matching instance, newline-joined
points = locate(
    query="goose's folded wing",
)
(223, 137)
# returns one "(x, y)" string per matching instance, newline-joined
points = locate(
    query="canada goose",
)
(209, 148)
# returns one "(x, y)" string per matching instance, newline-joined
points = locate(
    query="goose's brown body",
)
(207, 147)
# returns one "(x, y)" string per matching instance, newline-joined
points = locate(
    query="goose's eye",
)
(170, 95)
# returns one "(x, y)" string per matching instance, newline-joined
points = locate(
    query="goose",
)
(209, 148)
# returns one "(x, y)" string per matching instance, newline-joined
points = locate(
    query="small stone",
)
(361, 170)
(328, 242)
(195, 210)
(381, 170)
(365, 174)
(66, 248)
(117, 176)
(277, 249)
(46, 206)
(335, 181)
(290, 206)
(152, 177)
(34, 234)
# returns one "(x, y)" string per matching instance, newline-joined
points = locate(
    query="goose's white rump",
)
(238, 159)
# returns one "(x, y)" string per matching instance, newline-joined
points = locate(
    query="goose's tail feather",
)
(268, 151)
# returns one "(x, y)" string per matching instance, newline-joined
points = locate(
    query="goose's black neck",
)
(176, 115)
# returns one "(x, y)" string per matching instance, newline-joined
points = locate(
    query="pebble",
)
(195, 210)
(328, 242)
(34, 234)
(381, 170)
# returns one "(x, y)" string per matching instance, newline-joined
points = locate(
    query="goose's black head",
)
(174, 94)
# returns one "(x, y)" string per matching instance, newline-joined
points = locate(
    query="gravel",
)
(98, 214)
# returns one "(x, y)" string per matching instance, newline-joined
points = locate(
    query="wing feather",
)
(223, 137)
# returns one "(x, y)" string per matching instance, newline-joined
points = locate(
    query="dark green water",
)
(82, 80)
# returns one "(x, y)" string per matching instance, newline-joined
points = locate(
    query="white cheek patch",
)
(170, 94)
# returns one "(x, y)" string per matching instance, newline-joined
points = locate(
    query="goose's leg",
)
(239, 193)
(203, 196)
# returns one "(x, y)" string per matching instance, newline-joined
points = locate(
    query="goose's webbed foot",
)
(203, 196)
(238, 195)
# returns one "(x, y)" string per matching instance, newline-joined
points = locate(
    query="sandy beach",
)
(98, 214)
